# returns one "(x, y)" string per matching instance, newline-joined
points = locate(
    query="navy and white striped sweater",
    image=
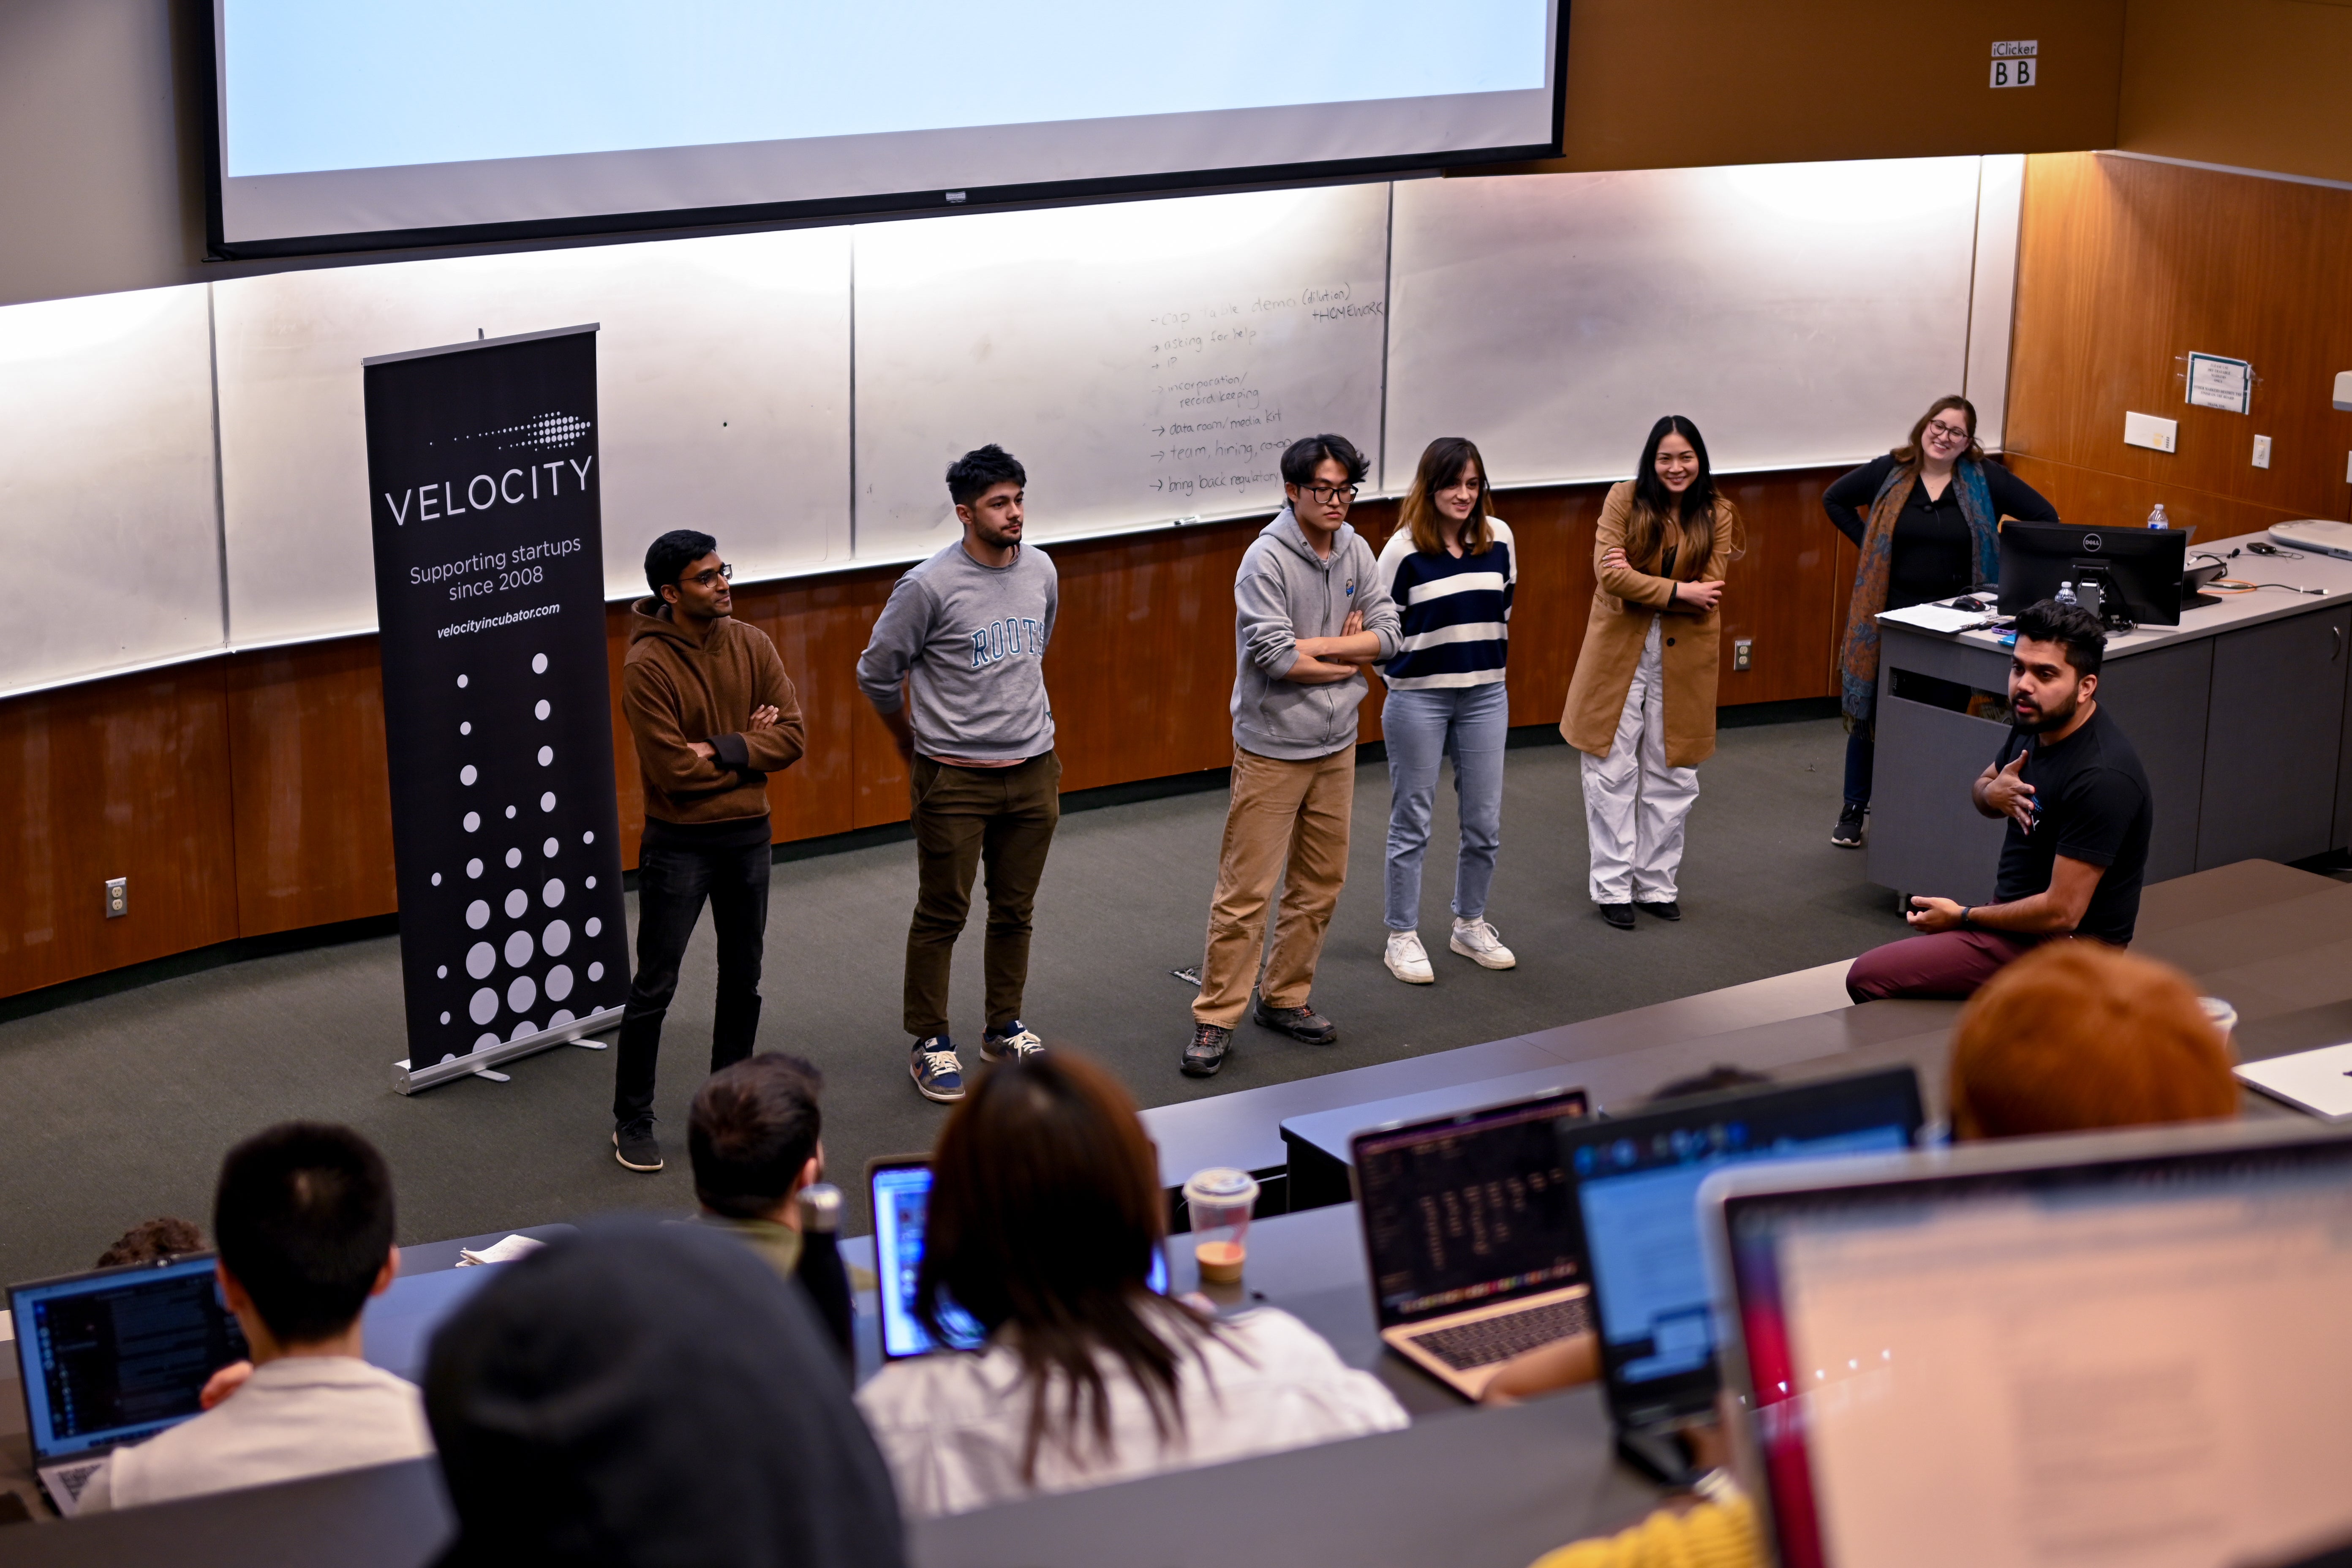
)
(1457, 612)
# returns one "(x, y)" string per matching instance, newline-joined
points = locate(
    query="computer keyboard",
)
(1490, 1339)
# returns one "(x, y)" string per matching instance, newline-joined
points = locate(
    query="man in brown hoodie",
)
(713, 715)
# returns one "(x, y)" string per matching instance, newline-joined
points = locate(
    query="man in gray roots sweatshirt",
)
(967, 632)
(1308, 614)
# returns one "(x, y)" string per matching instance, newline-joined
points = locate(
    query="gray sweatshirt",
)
(973, 638)
(1285, 591)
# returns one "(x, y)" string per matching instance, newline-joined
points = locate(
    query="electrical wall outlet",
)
(2261, 451)
(117, 897)
(1743, 652)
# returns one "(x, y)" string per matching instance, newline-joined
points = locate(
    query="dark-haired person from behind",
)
(1641, 706)
(753, 1136)
(1926, 518)
(150, 1240)
(712, 714)
(648, 1396)
(956, 670)
(2079, 816)
(304, 1219)
(1045, 1213)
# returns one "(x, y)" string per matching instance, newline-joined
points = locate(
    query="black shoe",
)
(1847, 833)
(1207, 1052)
(1665, 909)
(633, 1146)
(1299, 1023)
(1619, 915)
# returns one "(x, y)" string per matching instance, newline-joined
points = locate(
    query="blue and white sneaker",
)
(1015, 1044)
(937, 1072)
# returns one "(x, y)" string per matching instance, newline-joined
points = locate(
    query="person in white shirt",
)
(303, 1218)
(1046, 1209)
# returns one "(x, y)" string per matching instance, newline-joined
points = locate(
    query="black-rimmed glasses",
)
(705, 579)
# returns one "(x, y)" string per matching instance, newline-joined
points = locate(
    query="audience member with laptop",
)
(1042, 1226)
(118, 1365)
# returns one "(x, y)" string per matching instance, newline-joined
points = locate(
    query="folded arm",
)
(678, 764)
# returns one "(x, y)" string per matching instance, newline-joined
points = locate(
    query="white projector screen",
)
(339, 125)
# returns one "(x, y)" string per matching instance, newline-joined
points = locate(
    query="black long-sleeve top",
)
(1933, 557)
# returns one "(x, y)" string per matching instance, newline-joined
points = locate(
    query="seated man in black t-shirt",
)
(2079, 815)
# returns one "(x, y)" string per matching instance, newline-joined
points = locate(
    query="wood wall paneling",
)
(128, 777)
(2125, 267)
(313, 798)
(2254, 85)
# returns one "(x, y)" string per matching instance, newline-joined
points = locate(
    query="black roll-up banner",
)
(483, 485)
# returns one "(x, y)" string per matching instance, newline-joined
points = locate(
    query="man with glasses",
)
(964, 636)
(1308, 614)
(713, 714)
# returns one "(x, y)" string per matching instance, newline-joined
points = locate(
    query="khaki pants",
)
(1287, 823)
(963, 817)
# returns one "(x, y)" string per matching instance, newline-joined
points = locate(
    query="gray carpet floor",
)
(124, 1103)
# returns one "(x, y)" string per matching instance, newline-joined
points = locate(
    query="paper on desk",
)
(2317, 1081)
(506, 1251)
(1934, 618)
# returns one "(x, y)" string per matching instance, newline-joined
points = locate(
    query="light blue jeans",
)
(1468, 723)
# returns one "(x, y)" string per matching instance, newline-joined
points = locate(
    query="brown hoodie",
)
(676, 693)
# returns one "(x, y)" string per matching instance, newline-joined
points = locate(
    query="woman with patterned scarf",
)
(1927, 518)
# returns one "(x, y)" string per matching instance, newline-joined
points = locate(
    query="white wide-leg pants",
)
(1635, 805)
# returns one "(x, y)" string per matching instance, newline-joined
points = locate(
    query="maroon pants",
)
(1948, 963)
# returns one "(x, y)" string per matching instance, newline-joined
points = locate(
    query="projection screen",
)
(343, 126)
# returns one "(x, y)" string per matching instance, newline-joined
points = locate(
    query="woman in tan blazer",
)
(1642, 705)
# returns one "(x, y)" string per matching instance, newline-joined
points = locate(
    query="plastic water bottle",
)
(2157, 519)
(2066, 594)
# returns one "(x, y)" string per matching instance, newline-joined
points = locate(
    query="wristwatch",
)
(1966, 911)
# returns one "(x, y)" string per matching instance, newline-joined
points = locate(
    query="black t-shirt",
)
(1933, 557)
(2094, 807)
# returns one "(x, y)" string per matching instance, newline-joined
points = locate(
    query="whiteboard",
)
(722, 386)
(1146, 360)
(1798, 313)
(107, 486)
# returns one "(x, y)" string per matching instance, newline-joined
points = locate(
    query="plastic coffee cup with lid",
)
(2224, 1017)
(1218, 1203)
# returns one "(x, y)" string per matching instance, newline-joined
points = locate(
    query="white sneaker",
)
(1477, 942)
(1407, 959)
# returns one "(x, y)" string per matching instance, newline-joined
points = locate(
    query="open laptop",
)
(1469, 1237)
(2098, 1350)
(113, 1356)
(1637, 1180)
(901, 1190)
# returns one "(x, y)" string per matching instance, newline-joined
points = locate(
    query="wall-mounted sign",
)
(2224, 384)
(2016, 62)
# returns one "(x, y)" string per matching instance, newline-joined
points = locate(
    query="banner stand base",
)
(408, 1079)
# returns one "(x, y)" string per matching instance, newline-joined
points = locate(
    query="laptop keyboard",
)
(1489, 1340)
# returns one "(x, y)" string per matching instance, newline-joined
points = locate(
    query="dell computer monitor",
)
(2140, 567)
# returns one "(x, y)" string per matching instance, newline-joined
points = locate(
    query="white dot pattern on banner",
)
(552, 894)
(480, 958)
(461, 683)
(559, 983)
(546, 755)
(543, 710)
(549, 849)
(477, 913)
(511, 810)
(484, 1006)
(519, 950)
(523, 993)
(484, 1041)
(547, 801)
(516, 902)
(473, 822)
(436, 878)
(538, 664)
(589, 837)
(514, 858)
(473, 867)
(556, 938)
(444, 1017)
(466, 727)
(525, 1027)
(592, 881)
(442, 973)
(466, 775)
(595, 972)
(563, 1016)
(593, 925)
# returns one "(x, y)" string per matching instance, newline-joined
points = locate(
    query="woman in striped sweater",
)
(1450, 570)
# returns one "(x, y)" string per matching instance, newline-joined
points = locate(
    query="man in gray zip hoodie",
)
(1308, 614)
